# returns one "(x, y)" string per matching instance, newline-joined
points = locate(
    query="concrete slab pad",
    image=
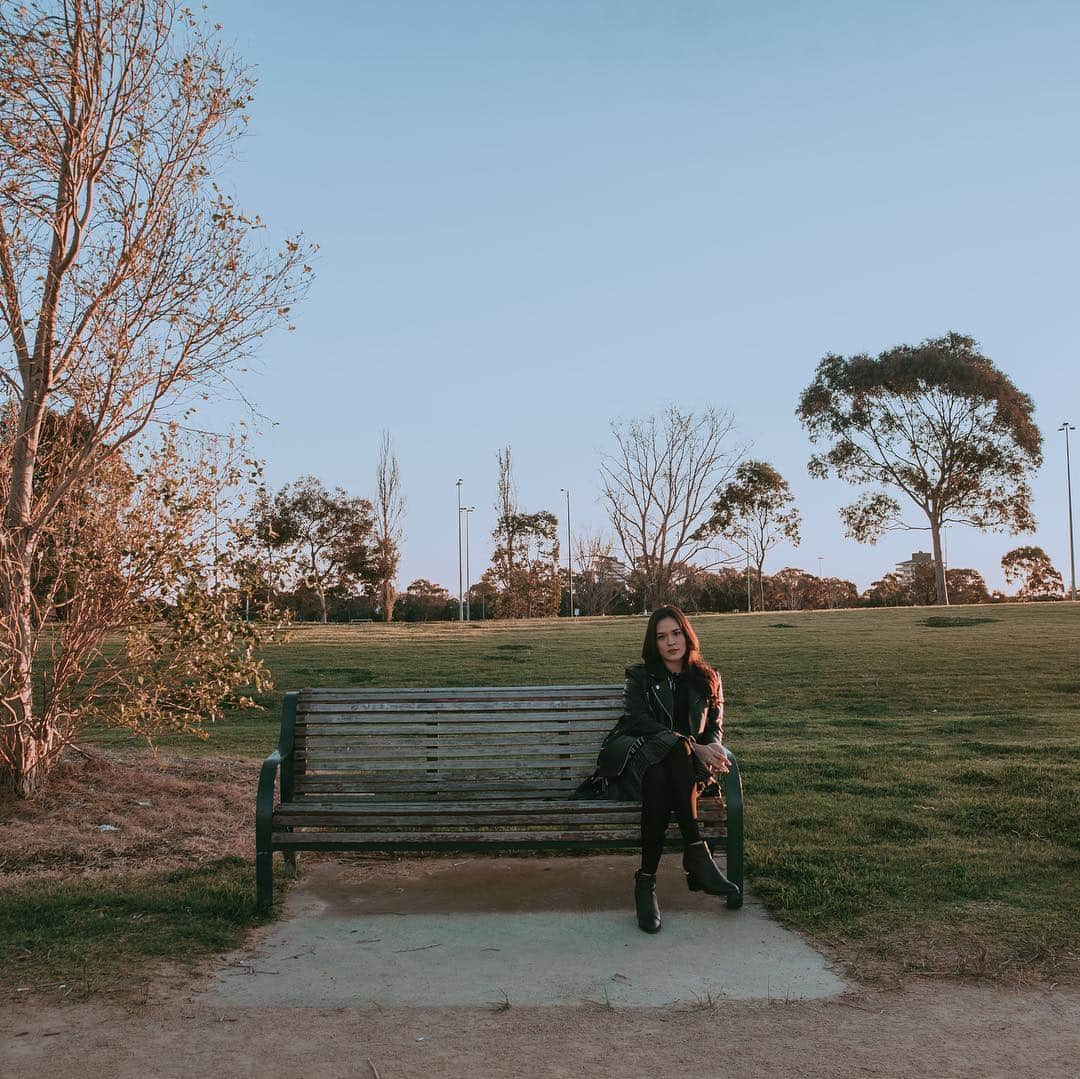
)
(555, 931)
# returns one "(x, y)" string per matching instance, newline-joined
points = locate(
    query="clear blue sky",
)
(537, 217)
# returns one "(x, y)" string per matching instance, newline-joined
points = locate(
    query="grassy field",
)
(912, 776)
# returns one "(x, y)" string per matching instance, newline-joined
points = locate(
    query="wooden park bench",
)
(484, 769)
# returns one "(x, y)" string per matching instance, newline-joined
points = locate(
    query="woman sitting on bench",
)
(663, 751)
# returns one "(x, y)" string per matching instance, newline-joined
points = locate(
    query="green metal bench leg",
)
(734, 802)
(264, 881)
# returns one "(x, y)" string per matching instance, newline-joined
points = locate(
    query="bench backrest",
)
(509, 741)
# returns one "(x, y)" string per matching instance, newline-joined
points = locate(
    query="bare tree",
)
(506, 516)
(128, 279)
(659, 485)
(600, 581)
(387, 533)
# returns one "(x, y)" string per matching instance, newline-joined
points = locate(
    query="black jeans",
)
(666, 788)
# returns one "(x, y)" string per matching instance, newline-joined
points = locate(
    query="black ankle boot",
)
(702, 873)
(648, 913)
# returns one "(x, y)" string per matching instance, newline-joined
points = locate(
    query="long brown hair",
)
(702, 673)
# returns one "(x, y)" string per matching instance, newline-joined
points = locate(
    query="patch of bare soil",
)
(958, 1030)
(129, 812)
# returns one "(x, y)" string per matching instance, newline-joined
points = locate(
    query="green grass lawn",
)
(912, 776)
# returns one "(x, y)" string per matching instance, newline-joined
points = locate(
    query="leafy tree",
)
(128, 282)
(937, 422)
(326, 536)
(388, 533)
(967, 586)
(525, 562)
(266, 561)
(835, 592)
(423, 601)
(145, 586)
(892, 590)
(755, 512)
(1032, 566)
(922, 585)
(788, 589)
(483, 597)
(918, 589)
(658, 486)
(531, 586)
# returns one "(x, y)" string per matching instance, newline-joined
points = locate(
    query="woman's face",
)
(670, 641)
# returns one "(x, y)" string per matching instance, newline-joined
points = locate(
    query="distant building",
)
(907, 569)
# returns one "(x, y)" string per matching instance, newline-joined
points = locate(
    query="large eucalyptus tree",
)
(937, 422)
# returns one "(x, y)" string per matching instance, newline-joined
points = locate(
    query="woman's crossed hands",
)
(712, 756)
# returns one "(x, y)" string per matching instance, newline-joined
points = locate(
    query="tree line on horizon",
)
(144, 564)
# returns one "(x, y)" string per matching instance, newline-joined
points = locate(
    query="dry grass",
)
(168, 812)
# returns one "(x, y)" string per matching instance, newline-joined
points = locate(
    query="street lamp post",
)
(460, 594)
(748, 593)
(569, 556)
(1067, 427)
(468, 572)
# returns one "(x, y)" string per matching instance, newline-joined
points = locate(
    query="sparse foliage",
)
(388, 533)
(128, 282)
(525, 562)
(1033, 568)
(600, 583)
(658, 486)
(937, 422)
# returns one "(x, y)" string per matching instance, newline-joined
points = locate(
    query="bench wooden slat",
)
(495, 817)
(378, 744)
(348, 728)
(413, 693)
(433, 821)
(426, 787)
(414, 765)
(516, 708)
(442, 752)
(361, 806)
(588, 807)
(370, 840)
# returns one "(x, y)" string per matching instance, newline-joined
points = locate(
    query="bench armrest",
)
(733, 803)
(732, 783)
(264, 800)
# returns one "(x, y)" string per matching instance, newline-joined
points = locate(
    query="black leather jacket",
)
(649, 706)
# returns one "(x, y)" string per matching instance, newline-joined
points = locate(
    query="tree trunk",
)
(388, 597)
(940, 587)
(27, 746)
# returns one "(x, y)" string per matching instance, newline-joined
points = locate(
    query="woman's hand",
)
(712, 756)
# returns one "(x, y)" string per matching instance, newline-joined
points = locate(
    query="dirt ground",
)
(923, 1029)
(908, 1027)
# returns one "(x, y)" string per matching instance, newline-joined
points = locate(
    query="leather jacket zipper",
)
(656, 694)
